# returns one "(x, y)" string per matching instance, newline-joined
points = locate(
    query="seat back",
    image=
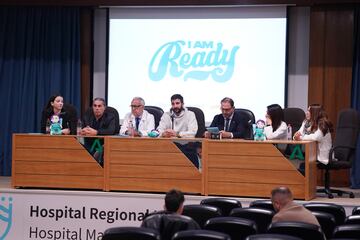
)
(294, 117)
(298, 229)
(262, 217)
(130, 233)
(337, 211)
(173, 223)
(347, 231)
(73, 117)
(200, 118)
(352, 219)
(272, 236)
(327, 222)
(237, 228)
(225, 204)
(347, 132)
(201, 213)
(200, 235)
(356, 210)
(113, 111)
(157, 112)
(249, 116)
(264, 204)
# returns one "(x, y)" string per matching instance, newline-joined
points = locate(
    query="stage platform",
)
(69, 214)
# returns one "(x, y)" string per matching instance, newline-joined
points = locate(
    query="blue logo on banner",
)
(6, 207)
(193, 60)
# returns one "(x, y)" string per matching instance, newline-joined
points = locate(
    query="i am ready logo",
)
(6, 208)
(197, 60)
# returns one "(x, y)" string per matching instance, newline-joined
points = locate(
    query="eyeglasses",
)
(136, 106)
(226, 109)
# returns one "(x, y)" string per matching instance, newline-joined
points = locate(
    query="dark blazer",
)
(69, 119)
(239, 127)
(106, 124)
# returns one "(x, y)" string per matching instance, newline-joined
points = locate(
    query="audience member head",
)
(280, 196)
(137, 106)
(274, 116)
(98, 107)
(227, 107)
(177, 103)
(55, 103)
(174, 201)
(319, 119)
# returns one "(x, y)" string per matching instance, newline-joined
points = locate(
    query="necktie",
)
(137, 122)
(227, 121)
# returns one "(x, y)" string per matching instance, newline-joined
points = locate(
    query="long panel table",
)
(229, 167)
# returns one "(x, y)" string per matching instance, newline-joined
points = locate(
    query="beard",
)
(177, 110)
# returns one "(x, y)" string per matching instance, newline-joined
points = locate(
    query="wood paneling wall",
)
(330, 70)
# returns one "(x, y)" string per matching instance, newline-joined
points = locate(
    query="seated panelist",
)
(179, 122)
(138, 122)
(276, 127)
(230, 123)
(97, 121)
(67, 117)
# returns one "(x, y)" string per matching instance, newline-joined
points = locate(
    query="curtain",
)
(39, 56)
(355, 94)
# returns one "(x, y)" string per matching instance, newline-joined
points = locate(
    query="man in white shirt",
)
(138, 122)
(179, 122)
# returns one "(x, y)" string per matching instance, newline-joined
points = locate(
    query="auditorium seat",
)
(173, 223)
(130, 233)
(356, 211)
(352, 219)
(224, 204)
(157, 112)
(272, 236)
(237, 228)
(265, 204)
(200, 235)
(302, 230)
(201, 213)
(262, 217)
(347, 231)
(337, 211)
(326, 221)
(200, 118)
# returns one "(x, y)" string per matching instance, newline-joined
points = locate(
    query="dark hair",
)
(177, 96)
(100, 99)
(319, 119)
(229, 100)
(49, 107)
(173, 199)
(276, 115)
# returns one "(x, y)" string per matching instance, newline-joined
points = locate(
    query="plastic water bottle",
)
(130, 129)
(289, 132)
(78, 127)
(47, 129)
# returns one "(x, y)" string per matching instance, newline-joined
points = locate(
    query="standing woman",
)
(276, 127)
(319, 130)
(55, 106)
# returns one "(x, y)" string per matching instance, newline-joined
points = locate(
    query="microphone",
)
(172, 116)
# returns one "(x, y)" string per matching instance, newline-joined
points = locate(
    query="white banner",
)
(60, 215)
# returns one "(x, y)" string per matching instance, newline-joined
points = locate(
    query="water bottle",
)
(79, 127)
(47, 129)
(289, 132)
(130, 129)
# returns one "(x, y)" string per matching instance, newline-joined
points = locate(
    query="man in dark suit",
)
(231, 124)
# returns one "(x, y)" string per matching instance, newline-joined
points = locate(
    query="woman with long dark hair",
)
(55, 106)
(276, 127)
(317, 127)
